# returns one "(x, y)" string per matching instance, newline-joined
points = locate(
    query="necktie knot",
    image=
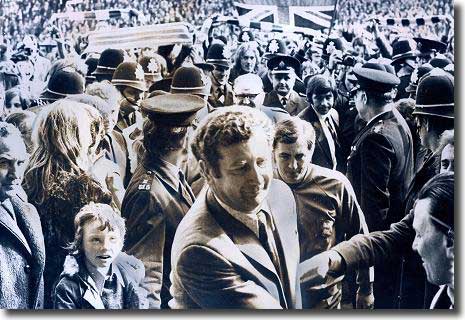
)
(284, 101)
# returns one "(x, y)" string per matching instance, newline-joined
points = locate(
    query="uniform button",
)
(27, 269)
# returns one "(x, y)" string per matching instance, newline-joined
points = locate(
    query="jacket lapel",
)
(248, 245)
(11, 226)
(29, 221)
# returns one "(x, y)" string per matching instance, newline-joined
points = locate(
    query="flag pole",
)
(334, 17)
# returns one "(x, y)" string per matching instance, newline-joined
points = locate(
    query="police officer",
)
(158, 195)
(64, 82)
(284, 70)
(221, 91)
(380, 166)
(108, 61)
(404, 60)
(129, 79)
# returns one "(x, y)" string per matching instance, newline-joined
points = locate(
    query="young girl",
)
(97, 275)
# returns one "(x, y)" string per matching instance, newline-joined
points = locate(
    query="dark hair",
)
(226, 127)
(160, 139)
(289, 130)
(440, 191)
(321, 84)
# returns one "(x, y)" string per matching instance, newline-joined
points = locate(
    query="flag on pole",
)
(313, 14)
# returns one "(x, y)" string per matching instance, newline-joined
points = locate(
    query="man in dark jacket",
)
(158, 195)
(22, 251)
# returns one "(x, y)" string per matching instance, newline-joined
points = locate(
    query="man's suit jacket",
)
(228, 93)
(118, 153)
(219, 263)
(322, 154)
(22, 257)
(294, 106)
(153, 208)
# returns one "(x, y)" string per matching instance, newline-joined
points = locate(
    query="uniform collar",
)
(166, 170)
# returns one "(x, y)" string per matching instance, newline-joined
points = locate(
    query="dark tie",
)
(184, 188)
(284, 101)
(331, 129)
(266, 237)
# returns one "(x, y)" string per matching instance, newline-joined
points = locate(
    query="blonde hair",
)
(59, 132)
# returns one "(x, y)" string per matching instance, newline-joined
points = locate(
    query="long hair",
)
(59, 132)
(243, 48)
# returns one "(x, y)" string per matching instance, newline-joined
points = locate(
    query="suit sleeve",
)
(212, 282)
(354, 221)
(377, 156)
(146, 241)
(377, 247)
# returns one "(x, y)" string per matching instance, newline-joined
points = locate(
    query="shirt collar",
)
(287, 96)
(249, 219)
(320, 116)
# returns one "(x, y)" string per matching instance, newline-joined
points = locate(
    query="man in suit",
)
(22, 250)
(238, 245)
(284, 70)
(158, 195)
(222, 95)
(380, 166)
(321, 97)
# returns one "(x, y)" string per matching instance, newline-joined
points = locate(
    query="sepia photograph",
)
(227, 154)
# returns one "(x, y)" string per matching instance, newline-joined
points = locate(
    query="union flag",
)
(314, 14)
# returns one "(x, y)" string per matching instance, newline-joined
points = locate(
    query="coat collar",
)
(28, 230)
(74, 267)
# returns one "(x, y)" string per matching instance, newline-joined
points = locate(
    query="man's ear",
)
(364, 97)
(450, 248)
(204, 171)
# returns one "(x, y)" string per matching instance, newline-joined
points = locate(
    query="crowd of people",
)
(240, 171)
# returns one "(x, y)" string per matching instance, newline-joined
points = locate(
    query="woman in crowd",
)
(57, 179)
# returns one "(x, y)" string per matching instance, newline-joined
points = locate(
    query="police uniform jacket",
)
(153, 206)
(322, 155)
(217, 262)
(294, 105)
(22, 256)
(380, 168)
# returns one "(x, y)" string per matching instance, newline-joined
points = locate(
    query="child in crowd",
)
(96, 274)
